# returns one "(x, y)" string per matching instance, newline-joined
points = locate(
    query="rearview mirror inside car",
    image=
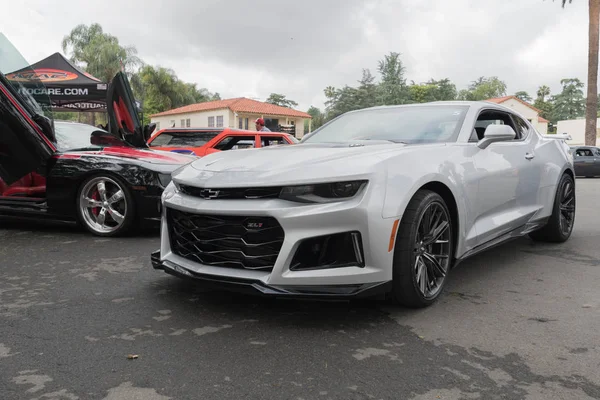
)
(496, 133)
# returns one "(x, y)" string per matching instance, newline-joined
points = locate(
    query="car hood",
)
(300, 163)
(143, 155)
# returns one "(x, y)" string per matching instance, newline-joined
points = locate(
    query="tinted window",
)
(184, 139)
(583, 153)
(412, 124)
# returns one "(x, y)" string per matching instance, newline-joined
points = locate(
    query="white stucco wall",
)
(528, 113)
(575, 128)
(197, 119)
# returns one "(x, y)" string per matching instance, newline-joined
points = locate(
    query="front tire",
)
(105, 206)
(560, 226)
(424, 251)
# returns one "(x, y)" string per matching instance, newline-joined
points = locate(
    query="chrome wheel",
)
(567, 207)
(432, 250)
(103, 205)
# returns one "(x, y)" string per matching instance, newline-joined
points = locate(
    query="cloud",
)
(253, 48)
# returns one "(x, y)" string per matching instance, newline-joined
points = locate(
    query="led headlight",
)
(322, 193)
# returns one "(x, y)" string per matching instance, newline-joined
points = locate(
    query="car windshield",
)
(23, 79)
(411, 124)
(74, 136)
(184, 138)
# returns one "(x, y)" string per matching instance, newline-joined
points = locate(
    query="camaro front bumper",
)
(300, 225)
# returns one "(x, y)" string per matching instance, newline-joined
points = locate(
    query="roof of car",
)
(243, 131)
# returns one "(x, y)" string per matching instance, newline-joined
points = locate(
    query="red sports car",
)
(203, 141)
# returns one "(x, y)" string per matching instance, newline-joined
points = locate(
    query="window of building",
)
(246, 124)
(182, 123)
(211, 122)
(219, 121)
(188, 122)
(241, 123)
(172, 122)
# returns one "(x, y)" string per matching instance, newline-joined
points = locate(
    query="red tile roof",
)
(499, 100)
(542, 120)
(239, 105)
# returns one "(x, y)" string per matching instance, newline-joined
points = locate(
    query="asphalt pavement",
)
(88, 318)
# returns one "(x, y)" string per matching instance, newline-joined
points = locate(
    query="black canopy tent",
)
(67, 87)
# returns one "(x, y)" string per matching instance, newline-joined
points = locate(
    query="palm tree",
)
(592, 87)
(543, 92)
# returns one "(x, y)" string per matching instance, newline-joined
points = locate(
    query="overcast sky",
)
(252, 48)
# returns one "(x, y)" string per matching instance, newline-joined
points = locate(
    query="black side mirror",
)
(102, 138)
(46, 124)
(148, 129)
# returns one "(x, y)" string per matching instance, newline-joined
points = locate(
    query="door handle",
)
(529, 156)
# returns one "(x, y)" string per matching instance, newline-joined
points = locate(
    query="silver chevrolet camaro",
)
(379, 201)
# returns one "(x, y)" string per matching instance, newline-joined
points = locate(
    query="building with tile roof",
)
(527, 110)
(238, 113)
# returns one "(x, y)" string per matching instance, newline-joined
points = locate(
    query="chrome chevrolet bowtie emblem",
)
(209, 193)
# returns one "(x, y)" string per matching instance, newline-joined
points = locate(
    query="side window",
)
(597, 152)
(233, 142)
(522, 128)
(184, 139)
(583, 153)
(272, 141)
(490, 117)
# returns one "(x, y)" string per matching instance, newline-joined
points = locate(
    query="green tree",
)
(444, 90)
(432, 90)
(524, 96)
(570, 102)
(484, 88)
(318, 118)
(99, 53)
(543, 92)
(281, 100)
(366, 94)
(591, 107)
(340, 101)
(421, 93)
(392, 88)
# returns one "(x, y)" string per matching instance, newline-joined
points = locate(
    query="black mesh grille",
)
(232, 193)
(225, 241)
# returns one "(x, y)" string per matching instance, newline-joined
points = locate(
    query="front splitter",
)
(255, 287)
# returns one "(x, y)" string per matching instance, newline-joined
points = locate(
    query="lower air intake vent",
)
(225, 241)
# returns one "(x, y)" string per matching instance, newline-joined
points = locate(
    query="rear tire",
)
(560, 226)
(423, 252)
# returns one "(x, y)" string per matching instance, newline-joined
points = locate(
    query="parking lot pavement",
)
(519, 322)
